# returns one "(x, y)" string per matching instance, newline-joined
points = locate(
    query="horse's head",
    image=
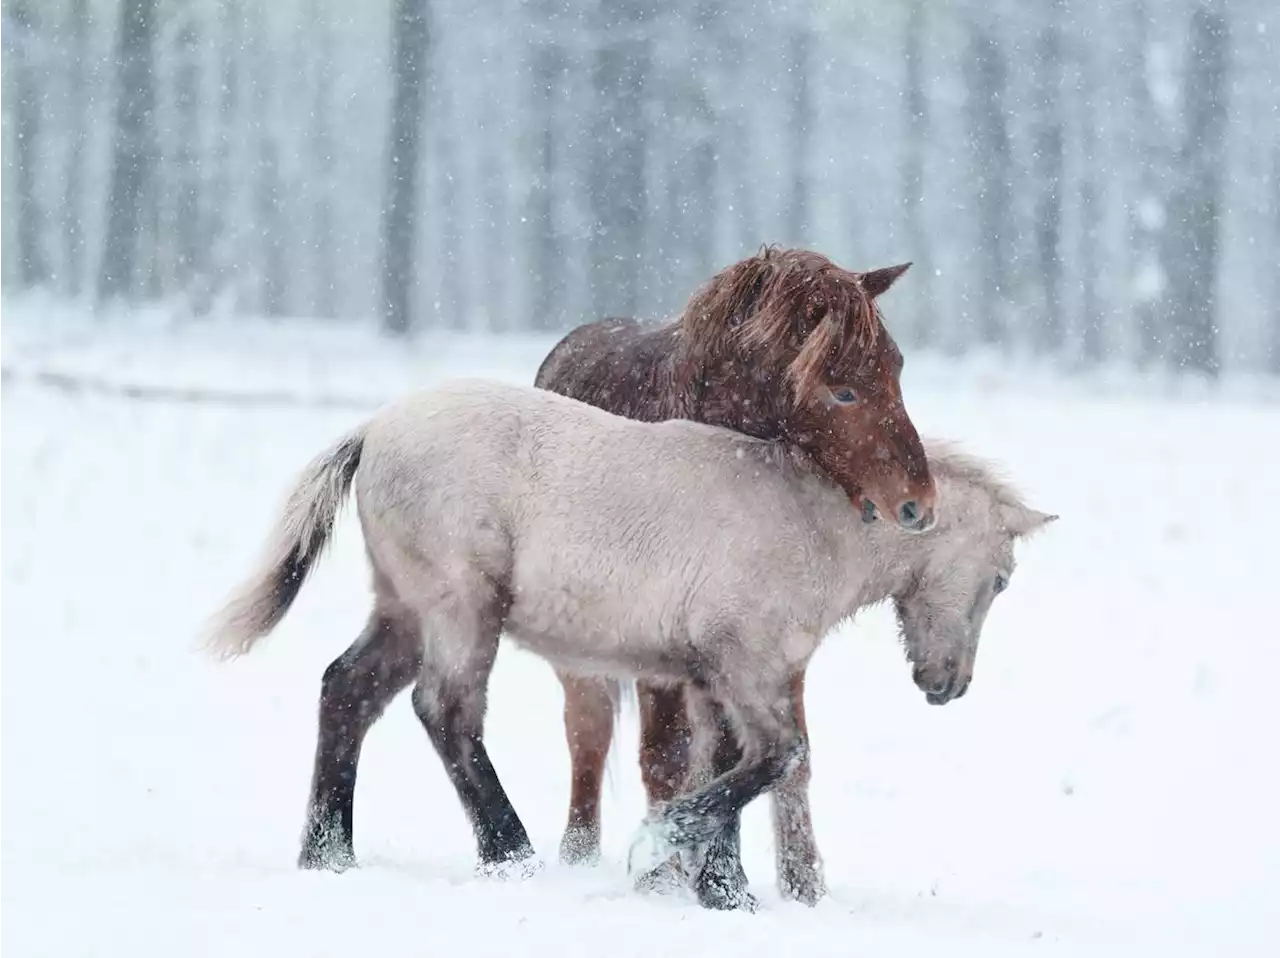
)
(824, 373)
(964, 563)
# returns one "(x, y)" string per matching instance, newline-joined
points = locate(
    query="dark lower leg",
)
(453, 722)
(721, 882)
(588, 728)
(799, 864)
(356, 689)
(773, 747)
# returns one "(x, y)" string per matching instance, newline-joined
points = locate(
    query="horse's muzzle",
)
(915, 517)
(940, 687)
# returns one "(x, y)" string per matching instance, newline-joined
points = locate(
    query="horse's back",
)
(620, 365)
(474, 449)
(599, 526)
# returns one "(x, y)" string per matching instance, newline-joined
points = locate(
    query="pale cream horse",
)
(672, 552)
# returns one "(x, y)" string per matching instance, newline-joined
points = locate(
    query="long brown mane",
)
(794, 307)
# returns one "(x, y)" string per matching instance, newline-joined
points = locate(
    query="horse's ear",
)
(878, 281)
(1023, 521)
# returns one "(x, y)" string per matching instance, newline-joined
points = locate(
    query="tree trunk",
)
(1195, 259)
(917, 139)
(686, 237)
(987, 83)
(1092, 344)
(800, 130)
(1274, 359)
(454, 302)
(1049, 177)
(700, 236)
(739, 168)
(1147, 274)
(616, 183)
(133, 153)
(493, 204)
(189, 260)
(547, 258)
(27, 97)
(269, 212)
(410, 37)
(732, 133)
(219, 235)
(77, 30)
(322, 146)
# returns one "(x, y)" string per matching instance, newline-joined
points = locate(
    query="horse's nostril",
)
(909, 512)
(950, 663)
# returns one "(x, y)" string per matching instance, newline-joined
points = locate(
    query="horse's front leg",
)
(799, 864)
(772, 746)
(719, 879)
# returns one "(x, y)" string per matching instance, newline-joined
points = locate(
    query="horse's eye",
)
(1001, 584)
(844, 395)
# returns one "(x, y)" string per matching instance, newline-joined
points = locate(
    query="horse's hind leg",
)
(450, 699)
(356, 689)
(588, 729)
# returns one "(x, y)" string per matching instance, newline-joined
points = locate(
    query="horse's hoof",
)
(650, 848)
(580, 846)
(667, 879)
(723, 893)
(721, 883)
(802, 883)
(320, 858)
(511, 869)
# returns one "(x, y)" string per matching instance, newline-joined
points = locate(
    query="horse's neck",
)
(728, 394)
(878, 562)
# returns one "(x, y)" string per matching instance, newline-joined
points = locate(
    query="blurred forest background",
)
(1076, 179)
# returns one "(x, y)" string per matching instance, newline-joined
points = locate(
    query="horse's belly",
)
(596, 629)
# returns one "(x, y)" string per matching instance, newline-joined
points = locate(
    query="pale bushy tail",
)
(295, 543)
(622, 695)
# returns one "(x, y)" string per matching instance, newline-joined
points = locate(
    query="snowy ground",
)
(1108, 786)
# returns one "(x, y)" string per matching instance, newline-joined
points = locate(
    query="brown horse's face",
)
(856, 428)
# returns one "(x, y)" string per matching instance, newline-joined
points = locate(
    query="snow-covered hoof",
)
(722, 884)
(336, 858)
(511, 869)
(668, 878)
(580, 846)
(724, 893)
(651, 847)
(803, 883)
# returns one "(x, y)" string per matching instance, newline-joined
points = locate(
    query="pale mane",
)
(948, 460)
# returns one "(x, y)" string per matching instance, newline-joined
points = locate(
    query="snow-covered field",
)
(1108, 786)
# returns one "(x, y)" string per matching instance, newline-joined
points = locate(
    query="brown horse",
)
(784, 346)
(782, 316)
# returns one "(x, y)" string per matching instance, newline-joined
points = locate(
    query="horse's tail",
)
(622, 696)
(298, 539)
